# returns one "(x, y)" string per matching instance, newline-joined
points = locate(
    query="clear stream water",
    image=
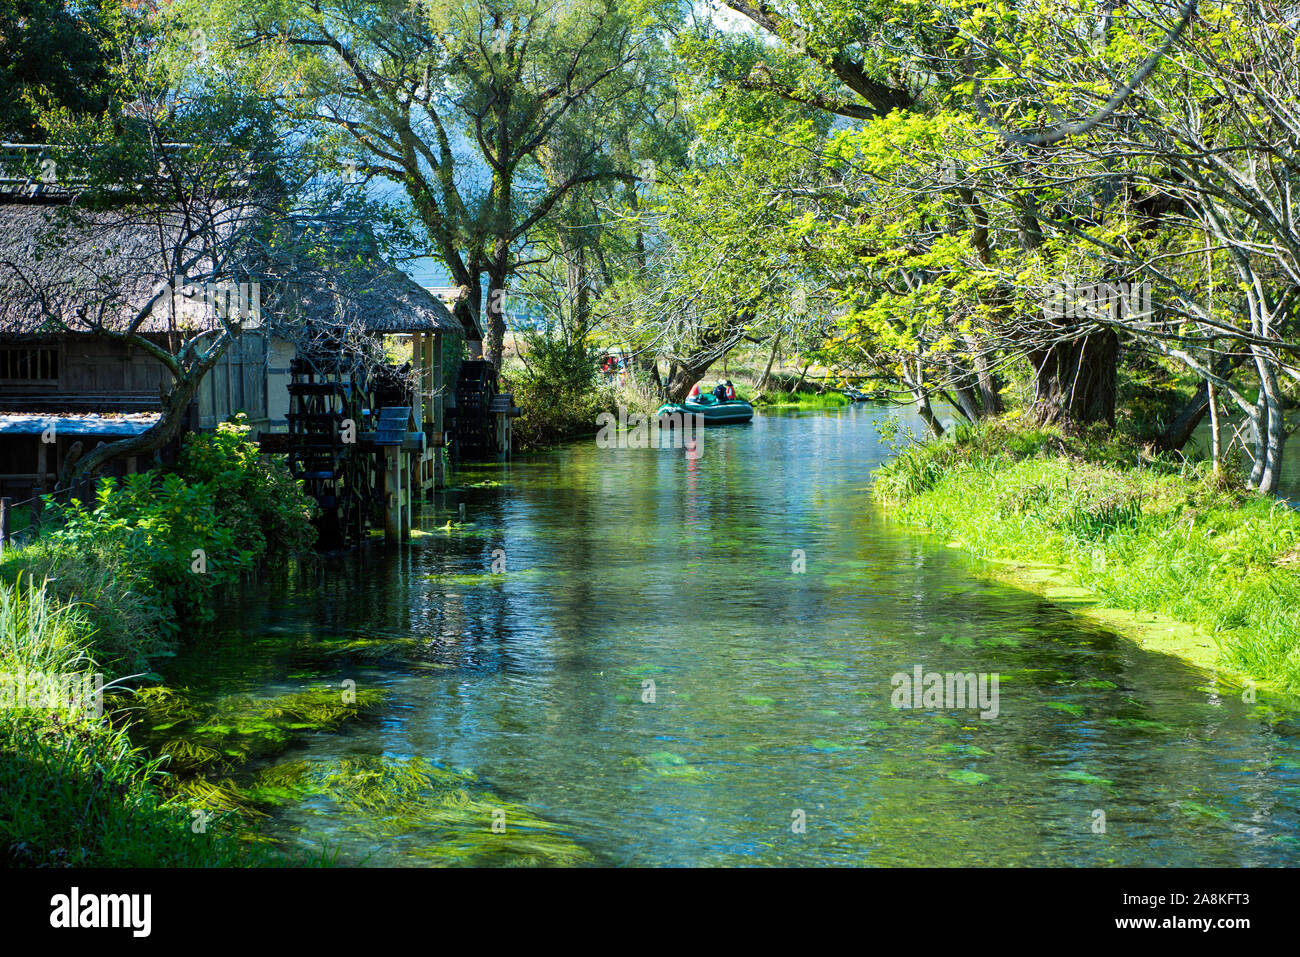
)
(772, 688)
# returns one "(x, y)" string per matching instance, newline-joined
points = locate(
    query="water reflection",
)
(771, 687)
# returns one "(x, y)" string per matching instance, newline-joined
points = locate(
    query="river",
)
(689, 662)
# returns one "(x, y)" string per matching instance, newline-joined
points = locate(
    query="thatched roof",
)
(375, 295)
(59, 265)
(54, 269)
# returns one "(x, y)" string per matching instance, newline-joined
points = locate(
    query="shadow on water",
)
(638, 574)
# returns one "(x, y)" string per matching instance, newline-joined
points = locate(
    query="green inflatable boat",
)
(714, 411)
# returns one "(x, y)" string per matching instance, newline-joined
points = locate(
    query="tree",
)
(1185, 186)
(457, 101)
(52, 53)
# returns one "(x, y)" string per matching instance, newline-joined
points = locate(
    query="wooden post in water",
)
(393, 489)
(439, 472)
(412, 486)
(417, 367)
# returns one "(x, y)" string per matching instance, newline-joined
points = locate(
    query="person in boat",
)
(731, 391)
(695, 392)
(720, 391)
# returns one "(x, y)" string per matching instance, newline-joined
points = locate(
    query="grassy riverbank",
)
(1143, 535)
(74, 790)
(798, 400)
(110, 584)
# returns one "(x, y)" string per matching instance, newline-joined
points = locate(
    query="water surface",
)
(771, 686)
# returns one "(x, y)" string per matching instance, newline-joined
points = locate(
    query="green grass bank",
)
(109, 584)
(1146, 537)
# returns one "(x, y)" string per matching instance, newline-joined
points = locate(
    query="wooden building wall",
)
(237, 383)
(87, 371)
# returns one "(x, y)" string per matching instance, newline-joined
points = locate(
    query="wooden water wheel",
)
(474, 430)
(327, 413)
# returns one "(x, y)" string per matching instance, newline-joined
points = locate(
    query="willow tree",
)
(455, 101)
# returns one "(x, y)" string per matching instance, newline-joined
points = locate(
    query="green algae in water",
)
(225, 797)
(463, 529)
(281, 784)
(1000, 642)
(958, 641)
(201, 738)
(665, 764)
(1071, 709)
(363, 648)
(486, 578)
(967, 777)
(758, 701)
(1083, 777)
(968, 750)
(1140, 724)
(638, 671)
(441, 815)
(1194, 809)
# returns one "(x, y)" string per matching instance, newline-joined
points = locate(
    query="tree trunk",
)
(767, 372)
(1180, 430)
(1075, 382)
(175, 406)
(986, 380)
(1216, 428)
(468, 310)
(1258, 435)
(579, 291)
(650, 367)
(1274, 432)
(963, 390)
(1177, 433)
(927, 413)
(684, 375)
(498, 272)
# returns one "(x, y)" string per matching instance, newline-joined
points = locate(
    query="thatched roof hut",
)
(65, 269)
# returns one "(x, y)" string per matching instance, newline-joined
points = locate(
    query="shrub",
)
(262, 504)
(172, 545)
(558, 390)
